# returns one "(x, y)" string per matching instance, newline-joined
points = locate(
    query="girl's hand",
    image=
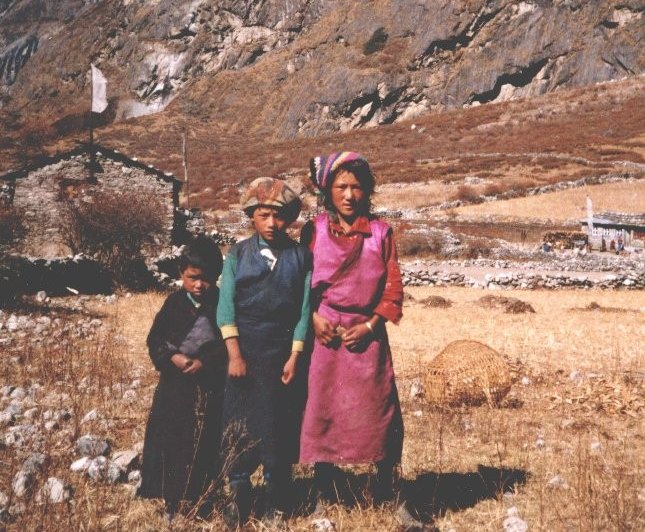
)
(194, 366)
(289, 370)
(323, 329)
(356, 334)
(237, 368)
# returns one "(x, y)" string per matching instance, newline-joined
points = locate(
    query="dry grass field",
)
(565, 448)
(566, 205)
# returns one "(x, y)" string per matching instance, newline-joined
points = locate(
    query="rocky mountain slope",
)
(293, 68)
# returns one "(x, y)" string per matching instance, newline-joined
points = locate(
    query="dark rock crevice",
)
(12, 61)
(460, 40)
(622, 65)
(519, 78)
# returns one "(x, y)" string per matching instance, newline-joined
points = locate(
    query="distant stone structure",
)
(611, 226)
(39, 191)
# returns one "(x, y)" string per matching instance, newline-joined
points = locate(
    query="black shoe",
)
(237, 511)
(383, 490)
(274, 519)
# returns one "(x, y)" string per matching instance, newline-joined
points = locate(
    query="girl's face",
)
(347, 195)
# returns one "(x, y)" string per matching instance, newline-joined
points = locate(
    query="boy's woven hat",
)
(268, 192)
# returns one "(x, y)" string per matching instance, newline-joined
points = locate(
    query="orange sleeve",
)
(390, 306)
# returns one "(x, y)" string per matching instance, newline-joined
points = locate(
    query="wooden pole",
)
(91, 125)
(184, 154)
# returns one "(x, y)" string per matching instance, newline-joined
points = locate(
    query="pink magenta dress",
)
(352, 413)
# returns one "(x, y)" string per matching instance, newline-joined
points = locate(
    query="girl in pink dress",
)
(352, 415)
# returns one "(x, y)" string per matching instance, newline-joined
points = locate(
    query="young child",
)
(184, 431)
(263, 315)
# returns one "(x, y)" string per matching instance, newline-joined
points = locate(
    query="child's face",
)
(269, 223)
(195, 281)
(347, 195)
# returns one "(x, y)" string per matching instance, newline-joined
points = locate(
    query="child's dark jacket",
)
(184, 430)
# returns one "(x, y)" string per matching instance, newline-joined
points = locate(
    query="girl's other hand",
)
(237, 368)
(323, 329)
(289, 370)
(353, 336)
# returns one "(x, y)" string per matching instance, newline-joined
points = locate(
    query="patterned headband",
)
(323, 167)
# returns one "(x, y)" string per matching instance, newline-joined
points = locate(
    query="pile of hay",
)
(436, 302)
(510, 305)
(467, 373)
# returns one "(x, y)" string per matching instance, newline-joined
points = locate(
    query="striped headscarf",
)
(324, 166)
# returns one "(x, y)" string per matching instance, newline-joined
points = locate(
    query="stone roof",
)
(618, 219)
(101, 151)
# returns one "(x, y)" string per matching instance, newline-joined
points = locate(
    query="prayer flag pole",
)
(184, 155)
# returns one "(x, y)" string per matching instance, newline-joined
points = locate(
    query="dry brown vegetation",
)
(567, 441)
(565, 205)
(513, 144)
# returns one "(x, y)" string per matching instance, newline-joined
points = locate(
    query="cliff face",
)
(306, 67)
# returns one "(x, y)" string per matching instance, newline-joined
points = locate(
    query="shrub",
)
(376, 42)
(415, 244)
(115, 229)
(468, 194)
(493, 189)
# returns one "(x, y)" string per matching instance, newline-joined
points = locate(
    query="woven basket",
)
(467, 372)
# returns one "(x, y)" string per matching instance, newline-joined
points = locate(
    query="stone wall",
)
(42, 192)
(525, 280)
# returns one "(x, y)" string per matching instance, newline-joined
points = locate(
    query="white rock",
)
(540, 443)
(134, 477)
(129, 396)
(81, 464)
(101, 468)
(596, 446)
(90, 445)
(18, 393)
(41, 296)
(53, 491)
(31, 413)
(513, 522)
(51, 425)
(323, 525)
(575, 376)
(126, 460)
(23, 483)
(92, 415)
(526, 381)
(6, 418)
(557, 482)
(416, 389)
(4, 500)
(417, 413)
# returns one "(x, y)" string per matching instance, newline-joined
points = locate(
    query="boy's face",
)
(195, 281)
(269, 223)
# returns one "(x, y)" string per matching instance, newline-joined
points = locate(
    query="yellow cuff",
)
(229, 331)
(298, 345)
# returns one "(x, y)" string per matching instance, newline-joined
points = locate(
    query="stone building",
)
(41, 190)
(612, 226)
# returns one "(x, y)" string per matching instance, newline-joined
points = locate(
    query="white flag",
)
(99, 91)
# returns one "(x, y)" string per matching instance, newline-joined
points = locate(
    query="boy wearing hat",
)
(263, 314)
